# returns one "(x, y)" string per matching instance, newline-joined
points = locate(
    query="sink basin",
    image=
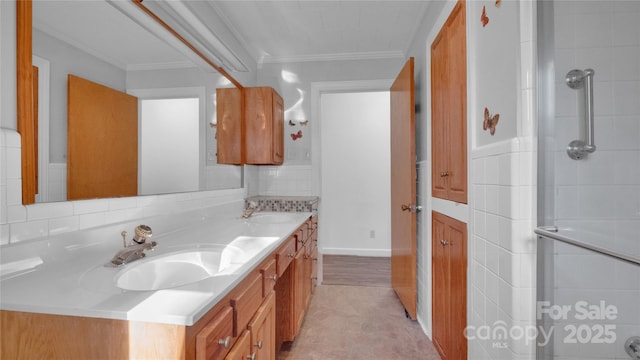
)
(243, 248)
(171, 270)
(270, 218)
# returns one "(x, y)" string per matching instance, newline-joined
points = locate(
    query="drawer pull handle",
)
(291, 255)
(258, 344)
(225, 342)
(273, 277)
(252, 356)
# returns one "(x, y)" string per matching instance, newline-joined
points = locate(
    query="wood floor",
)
(361, 318)
(356, 270)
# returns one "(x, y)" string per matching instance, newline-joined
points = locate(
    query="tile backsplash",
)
(286, 203)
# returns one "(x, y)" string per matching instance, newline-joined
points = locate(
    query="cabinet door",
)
(263, 330)
(457, 252)
(449, 249)
(278, 129)
(242, 350)
(456, 102)
(299, 292)
(264, 126)
(449, 109)
(229, 126)
(438, 117)
(213, 341)
(440, 285)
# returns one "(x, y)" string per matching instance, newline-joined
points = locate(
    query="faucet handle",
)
(124, 238)
(142, 233)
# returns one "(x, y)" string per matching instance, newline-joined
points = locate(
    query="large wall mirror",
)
(82, 48)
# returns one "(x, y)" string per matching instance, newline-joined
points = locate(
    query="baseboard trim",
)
(356, 252)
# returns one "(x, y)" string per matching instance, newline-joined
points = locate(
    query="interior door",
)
(102, 149)
(403, 188)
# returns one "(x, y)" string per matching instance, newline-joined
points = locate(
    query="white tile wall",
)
(603, 189)
(502, 252)
(18, 222)
(286, 180)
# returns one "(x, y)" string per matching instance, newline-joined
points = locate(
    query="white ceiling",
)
(302, 30)
(269, 30)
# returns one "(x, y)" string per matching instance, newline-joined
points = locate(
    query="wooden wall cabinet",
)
(449, 252)
(250, 126)
(264, 126)
(449, 109)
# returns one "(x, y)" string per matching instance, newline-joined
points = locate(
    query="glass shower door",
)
(589, 180)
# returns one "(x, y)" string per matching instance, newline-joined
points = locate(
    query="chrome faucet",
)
(252, 207)
(135, 250)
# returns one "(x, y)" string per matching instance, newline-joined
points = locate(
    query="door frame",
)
(176, 93)
(317, 89)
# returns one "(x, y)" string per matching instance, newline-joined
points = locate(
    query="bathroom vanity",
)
(58, 300)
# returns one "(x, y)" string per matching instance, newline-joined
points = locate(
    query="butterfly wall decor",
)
(498, 3)
(484, 18)
(490, 122)
(291, 123)
(296, 136)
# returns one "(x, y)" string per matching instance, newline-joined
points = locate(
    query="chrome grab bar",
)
(578, 79)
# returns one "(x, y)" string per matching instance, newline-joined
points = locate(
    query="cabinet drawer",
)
(285, 255)
(213, 341)
(246, 301)
(269, 277)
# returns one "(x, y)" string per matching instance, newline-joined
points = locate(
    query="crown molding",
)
(371, 55)
(161, 66)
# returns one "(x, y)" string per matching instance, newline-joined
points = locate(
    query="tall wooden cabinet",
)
(250, 128)
(449, 109)
(449, 251)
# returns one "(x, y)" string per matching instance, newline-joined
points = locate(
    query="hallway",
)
(357, 322)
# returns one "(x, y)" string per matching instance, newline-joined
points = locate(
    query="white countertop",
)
(68, 277)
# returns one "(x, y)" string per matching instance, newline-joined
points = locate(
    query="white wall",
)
(355, 180)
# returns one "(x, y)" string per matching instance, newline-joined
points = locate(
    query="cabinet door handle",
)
(444, 174)
(444, 242)
(225, 342)
(273, 277)
(291, 255)
(251, 357)
(258, 344)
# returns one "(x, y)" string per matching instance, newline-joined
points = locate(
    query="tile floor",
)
(357, 322)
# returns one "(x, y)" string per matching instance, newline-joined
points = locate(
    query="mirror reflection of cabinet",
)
(260, 140)
(229, 126)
